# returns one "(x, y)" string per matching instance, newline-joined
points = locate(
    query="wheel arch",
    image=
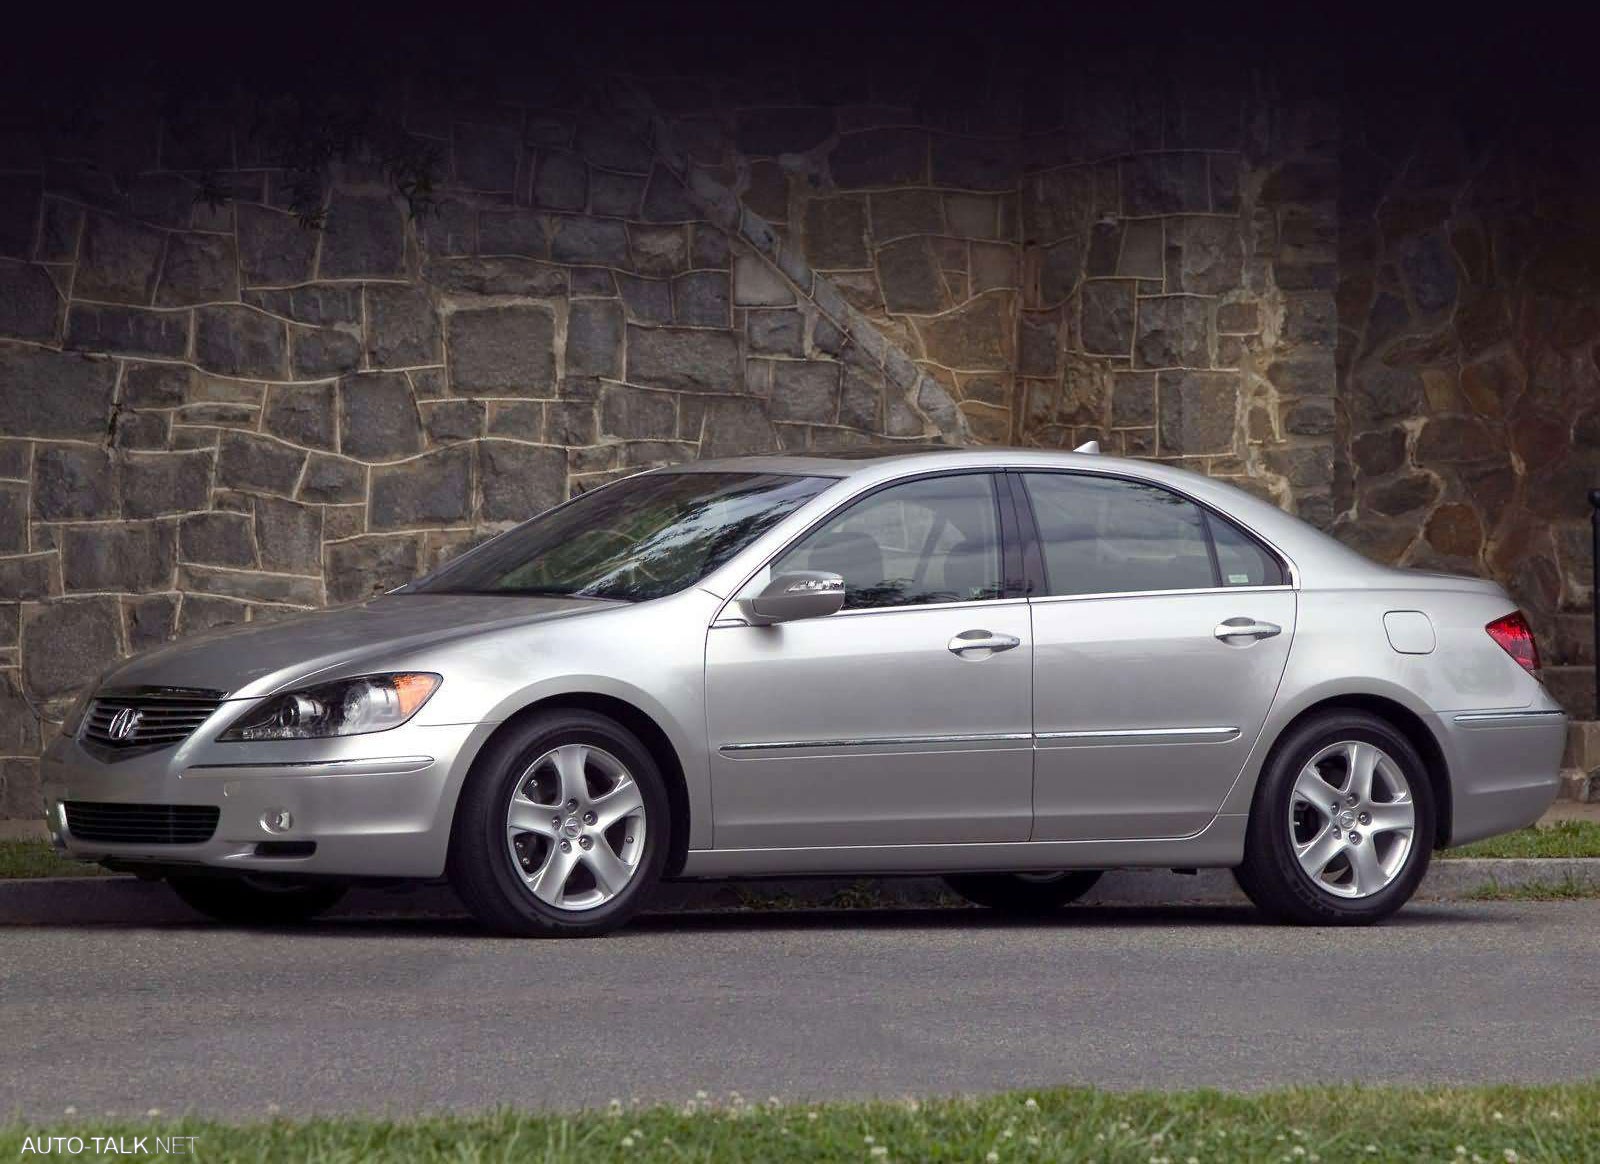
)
(636, 720)
(1408, 723)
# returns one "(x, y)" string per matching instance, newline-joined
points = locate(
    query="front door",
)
(1158, 647)
(902, 719)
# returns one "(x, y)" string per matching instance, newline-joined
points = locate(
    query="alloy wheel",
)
(1352, 819)
(575, 827)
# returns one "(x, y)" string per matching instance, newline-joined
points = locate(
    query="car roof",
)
(844, 462)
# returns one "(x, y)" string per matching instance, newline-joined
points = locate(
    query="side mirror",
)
(800, 594)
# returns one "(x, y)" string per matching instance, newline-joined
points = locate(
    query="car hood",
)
(258, 658)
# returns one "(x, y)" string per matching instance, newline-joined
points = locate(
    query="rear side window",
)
(1241, 560)
(1102, 535)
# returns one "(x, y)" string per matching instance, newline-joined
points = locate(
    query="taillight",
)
(1515, 637)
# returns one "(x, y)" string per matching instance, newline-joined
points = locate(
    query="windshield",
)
(641, 538)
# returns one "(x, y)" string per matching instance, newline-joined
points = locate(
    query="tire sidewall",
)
(1270, 838)
(482, 841)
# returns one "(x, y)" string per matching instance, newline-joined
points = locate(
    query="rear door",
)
(1161, 631)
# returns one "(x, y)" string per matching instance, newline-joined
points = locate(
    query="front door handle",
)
(1246, 628)
(980, 640)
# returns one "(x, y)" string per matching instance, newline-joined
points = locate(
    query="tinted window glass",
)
(641, 538)
(1105, 536)
(1241, 560)
(934, 540)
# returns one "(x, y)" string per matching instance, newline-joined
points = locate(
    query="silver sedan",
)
(1012, 668)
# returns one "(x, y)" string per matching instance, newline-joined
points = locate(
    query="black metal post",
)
(1594, 501)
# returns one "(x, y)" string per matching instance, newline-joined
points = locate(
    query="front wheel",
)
(1024, 894)
(562, 828)
(1342, 826)
(246, 900)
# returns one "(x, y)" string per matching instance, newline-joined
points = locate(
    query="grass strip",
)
(38, 859)
(1563, 838)
(1567, 889)
(1495, 1125)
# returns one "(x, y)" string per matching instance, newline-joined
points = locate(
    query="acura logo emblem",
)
(124, 724)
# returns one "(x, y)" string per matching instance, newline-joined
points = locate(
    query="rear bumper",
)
(374, 806)
(1505, 767)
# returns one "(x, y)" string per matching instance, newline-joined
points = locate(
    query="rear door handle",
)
(1246, 628)
(981, 640)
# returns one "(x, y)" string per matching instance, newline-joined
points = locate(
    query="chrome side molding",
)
(1212, 735)
(1217, 735)
(1480, 719)
(877, 742)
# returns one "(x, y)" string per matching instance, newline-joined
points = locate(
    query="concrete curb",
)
(78, 901)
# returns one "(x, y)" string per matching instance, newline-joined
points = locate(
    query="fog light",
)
(277, 820)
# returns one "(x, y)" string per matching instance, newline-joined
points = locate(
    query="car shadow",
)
(769, 921)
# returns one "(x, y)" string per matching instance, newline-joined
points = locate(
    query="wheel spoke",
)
(622, 801)
(570, 761)
(527, 817)
(610, 871)
(1315, 791)
(1392, 817)
(575, 836)
(551, 878)
(1363, 763)
(1315, 854)
(1365, 868)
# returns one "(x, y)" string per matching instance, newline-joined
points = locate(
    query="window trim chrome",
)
(1029, 536)
(1052, 598)
(724, 621)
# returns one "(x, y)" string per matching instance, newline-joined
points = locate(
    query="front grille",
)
(156, 717)
(142, 824)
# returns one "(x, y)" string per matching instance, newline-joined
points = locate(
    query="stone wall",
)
(1469, 323)
(1125, 252)
(211, 414)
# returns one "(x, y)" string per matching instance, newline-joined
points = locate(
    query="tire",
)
(255, 901)
(1366, 879)
(1024, 894)
(518, 880)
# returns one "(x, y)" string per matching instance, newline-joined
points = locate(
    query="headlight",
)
(349, 707)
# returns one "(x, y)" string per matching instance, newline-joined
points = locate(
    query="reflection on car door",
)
(903, 718)
(1159, 642)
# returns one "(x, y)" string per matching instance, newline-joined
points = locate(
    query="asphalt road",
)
(402, 1016)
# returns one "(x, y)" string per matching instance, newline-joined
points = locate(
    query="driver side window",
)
(926, 541)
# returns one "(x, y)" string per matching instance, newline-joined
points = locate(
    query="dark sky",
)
(1516, 62)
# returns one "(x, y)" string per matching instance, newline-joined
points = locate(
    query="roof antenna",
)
(1088, 447)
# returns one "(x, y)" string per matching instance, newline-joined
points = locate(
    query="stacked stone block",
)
(1149, 265)
(1469, 319)
(211, 414)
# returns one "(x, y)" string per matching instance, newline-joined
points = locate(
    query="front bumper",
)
(377, 805)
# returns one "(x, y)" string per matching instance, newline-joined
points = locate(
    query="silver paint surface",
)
(1119, 731)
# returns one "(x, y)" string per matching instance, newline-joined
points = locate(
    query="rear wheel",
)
(1024, 894)
(1342, 826)
(562, 828)
(246, 900)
